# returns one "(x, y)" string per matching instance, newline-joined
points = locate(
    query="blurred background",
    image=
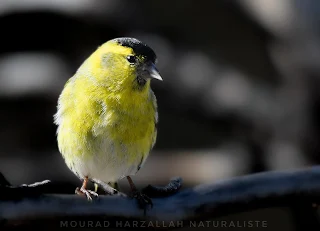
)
(241, 89)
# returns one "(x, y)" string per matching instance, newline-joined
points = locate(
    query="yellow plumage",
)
(107, 115)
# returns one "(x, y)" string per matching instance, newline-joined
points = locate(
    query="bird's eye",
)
(132, 59)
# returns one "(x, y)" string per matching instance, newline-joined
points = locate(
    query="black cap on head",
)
(138, 47)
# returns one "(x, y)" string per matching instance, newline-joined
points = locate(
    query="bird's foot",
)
(88, 193)
(143, 201)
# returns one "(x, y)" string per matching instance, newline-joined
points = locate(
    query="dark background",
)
(240, 93)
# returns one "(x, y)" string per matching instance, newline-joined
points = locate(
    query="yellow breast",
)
(89, 114)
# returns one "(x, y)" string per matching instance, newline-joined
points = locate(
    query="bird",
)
(107, 115)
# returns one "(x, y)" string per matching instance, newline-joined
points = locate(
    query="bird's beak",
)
(154, 73)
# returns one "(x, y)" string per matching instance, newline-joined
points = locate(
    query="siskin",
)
(107, 115)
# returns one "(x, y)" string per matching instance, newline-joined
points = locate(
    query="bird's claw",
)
(143, 201)
(88, 193)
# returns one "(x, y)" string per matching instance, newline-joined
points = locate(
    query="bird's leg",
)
(84, 191)
(143, 200)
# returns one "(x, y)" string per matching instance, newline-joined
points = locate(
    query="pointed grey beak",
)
(154, 73)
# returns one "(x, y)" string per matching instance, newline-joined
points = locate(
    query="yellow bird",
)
(107, 115)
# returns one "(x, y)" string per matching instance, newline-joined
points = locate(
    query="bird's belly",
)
(109, 161)
(104, 158)
(115, 147)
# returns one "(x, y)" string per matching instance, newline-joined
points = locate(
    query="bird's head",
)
(123, 64)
